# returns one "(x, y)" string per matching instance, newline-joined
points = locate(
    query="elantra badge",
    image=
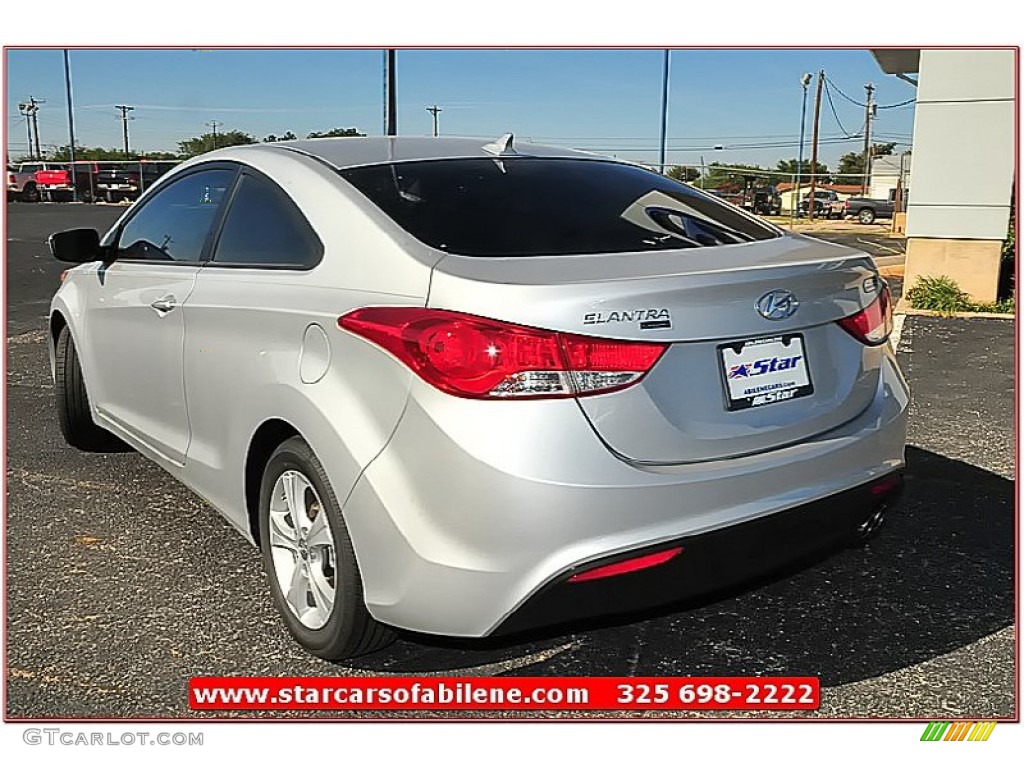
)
(777, 305)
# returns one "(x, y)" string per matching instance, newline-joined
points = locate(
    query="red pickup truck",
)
(55, 182)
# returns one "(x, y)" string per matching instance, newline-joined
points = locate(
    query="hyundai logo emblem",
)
(777, 305)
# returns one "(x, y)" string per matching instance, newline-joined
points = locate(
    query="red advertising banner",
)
(504, 693)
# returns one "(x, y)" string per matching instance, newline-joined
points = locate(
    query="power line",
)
(862, 105)
(906, 103)
(719, 147)
(848, 98)
(832, 106)
(673, 138)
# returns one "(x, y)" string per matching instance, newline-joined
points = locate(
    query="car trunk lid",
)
(704, 304)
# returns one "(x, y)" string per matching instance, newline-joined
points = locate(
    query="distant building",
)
(886, 172)
(958, 212)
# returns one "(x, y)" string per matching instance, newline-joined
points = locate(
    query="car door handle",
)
(164, 304)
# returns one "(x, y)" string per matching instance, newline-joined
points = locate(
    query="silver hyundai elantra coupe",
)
(469, 387)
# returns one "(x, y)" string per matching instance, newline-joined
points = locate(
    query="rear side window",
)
(540, 206)
(264, 228)
(173, 224)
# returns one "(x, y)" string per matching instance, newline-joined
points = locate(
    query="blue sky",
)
(604, 100)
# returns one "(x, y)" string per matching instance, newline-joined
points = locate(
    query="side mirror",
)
(77, 246)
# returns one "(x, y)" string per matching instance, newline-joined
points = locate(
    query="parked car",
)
(120, 181)
(867, 209)
(467, 388)
(767, 202)
(21, 180)
(827, 204)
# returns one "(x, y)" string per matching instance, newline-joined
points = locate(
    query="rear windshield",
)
(540, 206)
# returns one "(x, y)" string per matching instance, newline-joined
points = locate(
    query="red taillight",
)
(873, 324)
(627, 566)
(477, 357)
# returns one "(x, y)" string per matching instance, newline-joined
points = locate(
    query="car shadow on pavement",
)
(939, 576)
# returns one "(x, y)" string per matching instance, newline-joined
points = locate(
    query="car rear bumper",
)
(475, 509)
(709, 562)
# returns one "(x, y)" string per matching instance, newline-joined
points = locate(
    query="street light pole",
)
(392, 95)
(26, 112)
(805, 81)
(664, 111)
(71, 126)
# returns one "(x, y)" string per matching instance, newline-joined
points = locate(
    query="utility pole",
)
(214, 125)
(32, 112)
(35, 123)
(124, 121)
(392, 95)
(868, 114)
(814, 143)
(805, 80)
(434, 111)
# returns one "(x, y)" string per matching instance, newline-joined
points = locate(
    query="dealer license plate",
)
(763, 371)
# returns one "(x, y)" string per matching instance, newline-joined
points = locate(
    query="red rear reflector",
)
(884, 486)
(873, 324)
(477, 357)
(627, 566)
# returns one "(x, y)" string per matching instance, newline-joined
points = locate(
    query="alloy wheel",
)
(302, 549)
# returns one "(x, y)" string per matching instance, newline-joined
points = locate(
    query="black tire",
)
(350, 630)
(73, 413)
(30, 194)
(866, 216)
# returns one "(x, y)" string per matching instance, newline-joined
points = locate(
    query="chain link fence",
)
(89, 181)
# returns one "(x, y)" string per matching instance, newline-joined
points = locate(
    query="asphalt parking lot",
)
(121, 584)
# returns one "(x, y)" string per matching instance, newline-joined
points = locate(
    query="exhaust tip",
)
(870, 527)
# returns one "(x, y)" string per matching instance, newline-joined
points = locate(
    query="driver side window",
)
(173, 224)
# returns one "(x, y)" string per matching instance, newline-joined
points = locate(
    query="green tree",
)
(733, 177)
(211, 141)
(683, 173)
(789, 166)
(853, 163)
(334, 133)
(288, 136)
(63, 154)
